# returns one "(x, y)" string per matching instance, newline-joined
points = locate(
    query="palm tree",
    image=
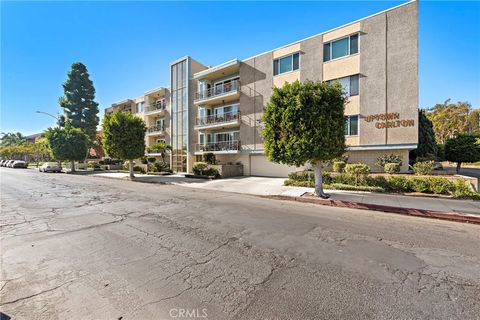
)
(160, 147)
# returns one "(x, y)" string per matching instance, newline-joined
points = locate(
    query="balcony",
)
(156, 107)
(227, 92)
(232, 146)
(228, 119)
(155, 130)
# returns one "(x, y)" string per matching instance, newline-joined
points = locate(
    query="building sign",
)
(388, 120)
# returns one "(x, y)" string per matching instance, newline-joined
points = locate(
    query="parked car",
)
(50, 167)
(437, 166)
(19, 164)
(9, 163)
(1, 162)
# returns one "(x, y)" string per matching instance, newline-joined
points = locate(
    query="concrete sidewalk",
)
(274, 187)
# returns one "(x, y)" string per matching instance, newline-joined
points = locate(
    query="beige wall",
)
(389, 74)
(370, 158)
(341, 32)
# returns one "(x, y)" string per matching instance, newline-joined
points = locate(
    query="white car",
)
(50, 167)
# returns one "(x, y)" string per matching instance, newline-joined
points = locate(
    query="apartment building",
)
(219, 109)
(152, 107)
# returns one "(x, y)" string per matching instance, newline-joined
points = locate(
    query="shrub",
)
(93, 165)
(358, 170)
(379, 181)
(209, 158)
(339, 166)
(420, 185)
(399, 184)
(389, 158)
(392, 168)
(160, 166)
(151, 159)
(137, 168)
(340, 186)
(309, 176)
(343, 178)
(298, 183)
(302, 176)
(144, 160)
(440, 185)
(211, 172)
(199, 168)
(423, 168)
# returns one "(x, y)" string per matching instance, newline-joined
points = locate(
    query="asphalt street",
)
(82, 247)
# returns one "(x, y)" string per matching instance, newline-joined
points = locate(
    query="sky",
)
(127, 46)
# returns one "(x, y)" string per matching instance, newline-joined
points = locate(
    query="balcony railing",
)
(160, 105)
(232, 86)
(216, 119)
(233, 145)
(155, 128)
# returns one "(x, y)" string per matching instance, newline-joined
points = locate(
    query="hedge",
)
(434, 185)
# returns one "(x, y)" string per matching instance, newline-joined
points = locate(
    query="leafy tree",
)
(464, 147)
(305, 123)
(12, 139)
(427, 145)
(449, 119)
(78, 102)
(67, 143)
(161, 147)
(124, 137)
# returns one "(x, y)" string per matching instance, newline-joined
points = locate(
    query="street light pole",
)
(48, 114)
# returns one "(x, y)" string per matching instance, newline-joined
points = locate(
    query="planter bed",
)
(195, 176)
(159, 173)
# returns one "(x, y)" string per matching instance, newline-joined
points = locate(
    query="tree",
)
(78, 103)
(124, 137)
(465, 147)
(305, 123)
(449, 119)
(473, 121)
(67, 143)
(427, 145)
(160, 147)
(12, 139)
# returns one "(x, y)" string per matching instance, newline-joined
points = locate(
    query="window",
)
(286, 64)
(351, 125)
(349, 85)
(340, 48)
(354, 89)
(140, 106)
(160, 122)
(354, 44)
(201, 138)
(227, 136)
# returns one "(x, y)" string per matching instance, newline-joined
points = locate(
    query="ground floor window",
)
(351, 125)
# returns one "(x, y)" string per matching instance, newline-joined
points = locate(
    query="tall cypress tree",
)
(79, 106)
(427, 145)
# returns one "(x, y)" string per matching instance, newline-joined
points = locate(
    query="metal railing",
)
(214, 119)
(232, 86)
(233, 145)
(156, 128)
(160, 105)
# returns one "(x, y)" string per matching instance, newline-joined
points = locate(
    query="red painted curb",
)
(453, 216)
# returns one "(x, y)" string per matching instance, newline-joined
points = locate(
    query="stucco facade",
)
(375, 59)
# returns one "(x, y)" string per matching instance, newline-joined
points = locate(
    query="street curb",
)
(452, 216)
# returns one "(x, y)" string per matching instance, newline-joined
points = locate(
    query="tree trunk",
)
(318, 181)
(72, 166)
(458, 166)
(130, 169)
